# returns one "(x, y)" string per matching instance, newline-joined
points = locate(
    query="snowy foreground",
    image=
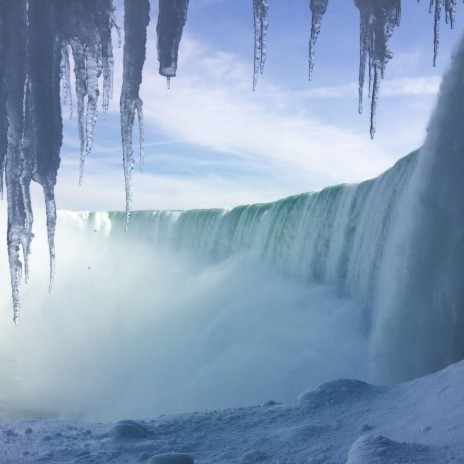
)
(344, 421)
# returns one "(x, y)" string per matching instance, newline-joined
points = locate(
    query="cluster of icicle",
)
(36, 40)
(378, 18)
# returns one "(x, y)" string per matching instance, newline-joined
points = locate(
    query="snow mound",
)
(171, 458)
(128, 430)
(253, 456)
(377, 449)
(335, 392)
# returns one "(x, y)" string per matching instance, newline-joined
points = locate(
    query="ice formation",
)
(260, 9)
(36, 39)
(450, 10)
(318, 8)
(171, 19)
(378, 19)
(136, 20)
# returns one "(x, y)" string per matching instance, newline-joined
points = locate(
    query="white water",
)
(146, 331)
(202, 309)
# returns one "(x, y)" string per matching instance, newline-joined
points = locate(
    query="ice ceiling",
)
(36, 40)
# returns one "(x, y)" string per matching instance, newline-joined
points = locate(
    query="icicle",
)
(27, 164)
(50, 210)
(436, 31)
(66, 76)
(93, 69)
(115, 24)
(15, 81)
(3, 96)
(141, 134)
(136, 19)
(171, 20)
(318, 8)
(45, 75)
(86, 24)
(363, 51)
(105, 21)
(81, 92)
(450, 10)
(377, 21)
(260, 13)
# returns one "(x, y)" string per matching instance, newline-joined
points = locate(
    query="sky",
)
(210, 141)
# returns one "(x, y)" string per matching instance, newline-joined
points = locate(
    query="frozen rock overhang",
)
(36, 39)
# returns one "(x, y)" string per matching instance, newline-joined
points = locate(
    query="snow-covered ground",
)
(343, 421)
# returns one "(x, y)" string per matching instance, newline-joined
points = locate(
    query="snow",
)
(343, 421)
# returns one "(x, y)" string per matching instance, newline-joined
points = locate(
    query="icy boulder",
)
(335, 392)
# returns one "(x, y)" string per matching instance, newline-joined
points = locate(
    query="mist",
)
(131, 329)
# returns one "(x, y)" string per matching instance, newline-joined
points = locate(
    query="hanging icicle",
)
(318, 8)
(86, 25)
(171, 20)
(450, 10)
(260, 13)
(136, 19)
(377, 21)
(46, 121)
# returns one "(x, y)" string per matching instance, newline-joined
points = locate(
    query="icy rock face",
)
(260, 11)
(171, 20)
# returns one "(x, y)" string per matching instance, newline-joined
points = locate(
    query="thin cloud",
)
(401, 87)
(265, 144)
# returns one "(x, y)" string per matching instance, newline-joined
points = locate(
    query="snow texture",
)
(417, 422)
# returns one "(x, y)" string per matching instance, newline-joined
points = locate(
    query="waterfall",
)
(218, 308)
(394, 245)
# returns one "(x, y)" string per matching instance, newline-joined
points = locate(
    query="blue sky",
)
(213, 142)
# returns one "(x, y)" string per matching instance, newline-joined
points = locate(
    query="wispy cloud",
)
(401, 87)
(266, 144)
